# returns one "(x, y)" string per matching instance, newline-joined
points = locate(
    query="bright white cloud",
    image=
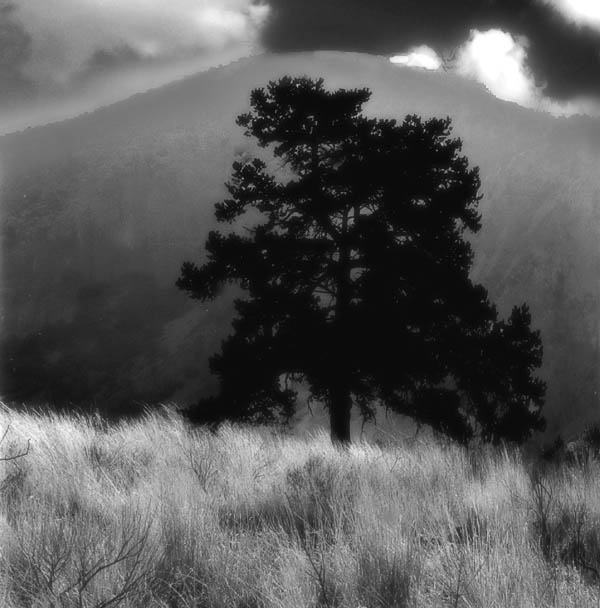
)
(67, 33)
(583, 12)
(499, 61)
(419, 57)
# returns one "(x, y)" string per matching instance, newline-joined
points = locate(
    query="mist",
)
(74, 56)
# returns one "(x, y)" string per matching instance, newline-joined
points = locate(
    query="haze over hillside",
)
(97, 214)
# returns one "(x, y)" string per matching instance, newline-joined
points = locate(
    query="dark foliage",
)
(356, 275)
(580, 451)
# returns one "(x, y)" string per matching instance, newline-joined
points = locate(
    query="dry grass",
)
(154, 514)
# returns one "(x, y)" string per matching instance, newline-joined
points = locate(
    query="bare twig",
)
(68, 562)
(13, 456)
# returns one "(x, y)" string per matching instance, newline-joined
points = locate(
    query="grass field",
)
(152, 513)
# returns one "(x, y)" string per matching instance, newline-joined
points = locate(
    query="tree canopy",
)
(349, 248)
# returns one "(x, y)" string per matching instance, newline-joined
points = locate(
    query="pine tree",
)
(349, 247)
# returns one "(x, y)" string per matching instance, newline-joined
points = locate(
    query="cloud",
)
(581, 12)
(561, 53)
(499, 61)
(15, 51)
(60, 58)
(419, 57)
(104, 60)
(69, 37)
(493, 57)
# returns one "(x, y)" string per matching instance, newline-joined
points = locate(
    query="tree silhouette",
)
(356, 275)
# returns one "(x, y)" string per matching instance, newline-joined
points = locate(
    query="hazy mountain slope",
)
(99, 212)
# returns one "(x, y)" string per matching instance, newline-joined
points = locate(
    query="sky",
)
(59, 58)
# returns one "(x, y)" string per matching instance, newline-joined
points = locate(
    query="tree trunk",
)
(340, 405)
(341, 399)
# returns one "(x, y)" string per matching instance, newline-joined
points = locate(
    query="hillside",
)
(97, 214)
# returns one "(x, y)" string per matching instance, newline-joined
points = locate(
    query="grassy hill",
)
(151, 513)
(98, 212)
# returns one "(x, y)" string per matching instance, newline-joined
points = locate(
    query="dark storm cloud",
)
(562, 53)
